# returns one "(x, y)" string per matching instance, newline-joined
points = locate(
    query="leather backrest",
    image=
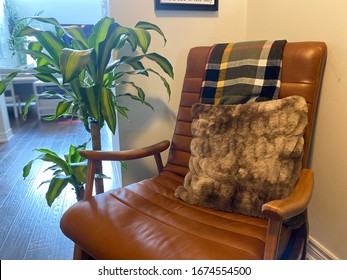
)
(302, 72)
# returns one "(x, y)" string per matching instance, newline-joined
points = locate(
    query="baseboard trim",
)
(316, 251)
(6, 136)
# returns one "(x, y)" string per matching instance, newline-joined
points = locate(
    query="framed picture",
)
(199, 5)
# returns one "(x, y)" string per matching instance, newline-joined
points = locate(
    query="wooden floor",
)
(29, 228)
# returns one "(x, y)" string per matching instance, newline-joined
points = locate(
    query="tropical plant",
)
(14, 24)
(71, 169)
(15, 44)
(89, 79)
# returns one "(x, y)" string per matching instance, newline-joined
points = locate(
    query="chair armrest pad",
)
(295, 203)
(127, 154)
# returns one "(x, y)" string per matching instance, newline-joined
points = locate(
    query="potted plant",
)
(14, 24)
(89, 78)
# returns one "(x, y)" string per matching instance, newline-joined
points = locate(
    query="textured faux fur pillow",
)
(244, 155)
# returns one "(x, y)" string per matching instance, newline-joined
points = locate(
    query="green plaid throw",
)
(240, 72)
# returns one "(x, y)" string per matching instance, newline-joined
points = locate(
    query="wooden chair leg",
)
(79, 254)
(272, 239)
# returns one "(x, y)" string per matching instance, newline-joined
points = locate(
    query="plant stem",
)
(96, 145)
(79, 193)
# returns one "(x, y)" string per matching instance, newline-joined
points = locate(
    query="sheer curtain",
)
(3, 33)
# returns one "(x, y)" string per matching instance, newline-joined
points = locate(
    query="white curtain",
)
(3, 45)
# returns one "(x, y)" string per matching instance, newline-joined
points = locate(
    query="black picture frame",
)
(186, 5)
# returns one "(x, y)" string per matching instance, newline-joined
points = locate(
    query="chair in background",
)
(146, 221)
(13, 100)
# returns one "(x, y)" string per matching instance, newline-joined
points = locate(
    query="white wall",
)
(298, 20)
(183, 29)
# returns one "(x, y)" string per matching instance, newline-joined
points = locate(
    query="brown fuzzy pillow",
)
(243, 156)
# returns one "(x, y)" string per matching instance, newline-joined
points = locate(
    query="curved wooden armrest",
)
(278, 210)
(97, 156)
(127, 154)
(295, 203)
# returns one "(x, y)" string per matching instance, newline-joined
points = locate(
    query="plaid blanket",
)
(242, 72)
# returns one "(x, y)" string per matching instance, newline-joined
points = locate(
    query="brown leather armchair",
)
(146, 221)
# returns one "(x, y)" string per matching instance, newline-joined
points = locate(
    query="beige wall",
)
(294, 20)
(298, 20)
(183, 29)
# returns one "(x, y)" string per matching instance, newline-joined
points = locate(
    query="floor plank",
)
(29, 228)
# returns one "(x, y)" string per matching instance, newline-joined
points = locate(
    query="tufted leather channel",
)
(146, 221)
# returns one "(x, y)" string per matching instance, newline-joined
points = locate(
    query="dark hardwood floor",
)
(29, 228)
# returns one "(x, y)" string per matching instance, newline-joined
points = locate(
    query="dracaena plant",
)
(70, 169)
(89, 77)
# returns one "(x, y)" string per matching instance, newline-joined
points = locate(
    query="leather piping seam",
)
(199, 209)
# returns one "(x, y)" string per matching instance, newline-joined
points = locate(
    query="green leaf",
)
(51, 43)
(122, 111)
(141, 37)
(76, 33)
(82, 146)
(74, 155)
(104, 57)
(42, 58)
(51, 20)
(27, 104)
(72, 151)
(139, 66)
(45, 69)
(13, 75)
(118, 75)
(140, 92)
(28, 31)
(62, 108)
(75, 110)
(92, 67)
(54, 168)
(162, 62)
(56, 186)
(47, 77)
(4, 83)
(105, 47)
(99, 32)
(136, 98)
(44, 182)
(49, 157)
(102, 176)
(166, 84)
(59, 31)
(123, 164)
(76, 88)
(133, 61)
(79, 170)
(91, 97)
(35, 46)
(72, 63)
(46, 151)
(27, 168)
(150, 26)
(108, 109)
(130, 59)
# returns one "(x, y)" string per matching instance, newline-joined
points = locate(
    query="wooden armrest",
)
(295, 203)
(127, 154)
(278, 210)
(97, 156)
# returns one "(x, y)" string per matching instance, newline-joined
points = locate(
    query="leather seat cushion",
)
(152, 224)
